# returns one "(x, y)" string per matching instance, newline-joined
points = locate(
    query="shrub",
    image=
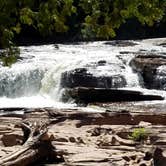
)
(139, 134)
(9, 55)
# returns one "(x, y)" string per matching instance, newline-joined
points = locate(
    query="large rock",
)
(90, 95)
(81, 77)
(152, 68)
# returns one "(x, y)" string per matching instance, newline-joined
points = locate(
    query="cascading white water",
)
(21, 80)
(35, 80)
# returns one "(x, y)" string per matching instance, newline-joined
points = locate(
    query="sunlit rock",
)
(81, 77)
(152, 69)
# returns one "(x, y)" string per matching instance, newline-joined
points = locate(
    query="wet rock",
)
(80, 77)
(163, 44)
(152, 70)
(121, 43)
(56, 46)
(101, 62)
(160, 78)
(77, 77)
(90, 95)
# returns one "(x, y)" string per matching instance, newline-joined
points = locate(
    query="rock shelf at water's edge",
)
(91, 95)
(82, 138)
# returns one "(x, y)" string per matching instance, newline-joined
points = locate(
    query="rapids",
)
(34, 81)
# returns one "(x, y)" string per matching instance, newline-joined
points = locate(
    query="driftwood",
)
(37, 145)
(85, 138)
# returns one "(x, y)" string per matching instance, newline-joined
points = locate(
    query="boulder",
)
(81, 77)
(152, 70)
(90, 95)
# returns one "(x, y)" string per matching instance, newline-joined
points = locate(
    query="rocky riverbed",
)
(86, 138)
(120, 117)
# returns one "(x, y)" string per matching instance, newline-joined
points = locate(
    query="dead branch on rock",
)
(37, 145)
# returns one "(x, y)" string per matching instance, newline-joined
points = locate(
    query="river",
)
(34, 81)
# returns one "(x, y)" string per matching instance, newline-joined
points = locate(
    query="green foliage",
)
(139, 134)
(45, 16)
(52, 16)
(9, 55)
(104, 16)
(96, 18)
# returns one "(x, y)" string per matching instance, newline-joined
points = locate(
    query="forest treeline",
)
(88, 19)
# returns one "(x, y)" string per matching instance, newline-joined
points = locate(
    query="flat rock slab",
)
(91, 139)
(90, 95)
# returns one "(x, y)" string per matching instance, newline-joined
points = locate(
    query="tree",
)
(96, 19)
(104, 16)
(45, 16)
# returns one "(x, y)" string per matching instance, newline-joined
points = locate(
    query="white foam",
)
(52, 62)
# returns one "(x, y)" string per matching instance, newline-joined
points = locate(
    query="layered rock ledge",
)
(151, 67)
(82, 138)
(91, 95)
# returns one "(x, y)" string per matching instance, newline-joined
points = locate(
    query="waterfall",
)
(38, 75)
(21, 81)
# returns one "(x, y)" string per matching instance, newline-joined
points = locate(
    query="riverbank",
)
(85, 138)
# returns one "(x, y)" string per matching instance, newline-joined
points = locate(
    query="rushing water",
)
(34, 81)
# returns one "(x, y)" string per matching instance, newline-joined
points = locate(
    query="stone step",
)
(90, 95)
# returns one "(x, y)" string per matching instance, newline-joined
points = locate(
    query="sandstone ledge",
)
(90, 95)
(88, 139)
